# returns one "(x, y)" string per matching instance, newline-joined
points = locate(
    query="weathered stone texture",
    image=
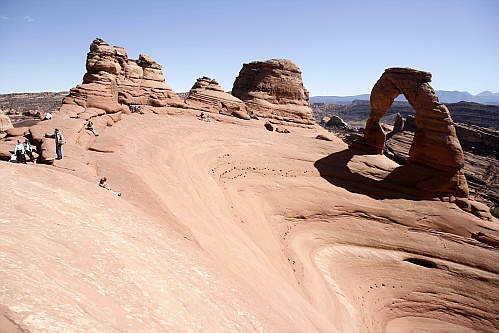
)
(273, 89)
(207, 95)
(435, 143)
(113, 81)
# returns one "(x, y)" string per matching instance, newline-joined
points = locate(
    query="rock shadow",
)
(399, 183)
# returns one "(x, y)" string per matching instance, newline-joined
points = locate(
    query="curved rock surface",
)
(234, 229)
(274, 90)
(207, 94)
(435, 143)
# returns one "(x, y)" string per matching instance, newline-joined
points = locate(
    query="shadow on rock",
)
(375, 181)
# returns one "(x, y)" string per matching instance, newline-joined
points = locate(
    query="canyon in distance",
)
(258, 218)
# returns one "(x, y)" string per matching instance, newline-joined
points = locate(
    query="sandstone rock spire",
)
(273, 89)
(113, 81)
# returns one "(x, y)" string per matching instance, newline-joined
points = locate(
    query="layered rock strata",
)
(274, 90)
(113, 81)
(207, 94)
(435, 145)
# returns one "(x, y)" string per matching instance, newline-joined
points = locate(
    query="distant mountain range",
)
(485, 97)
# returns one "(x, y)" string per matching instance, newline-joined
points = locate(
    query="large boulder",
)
(274, 90)
(207, 94)
(5, 122)
(435, 144)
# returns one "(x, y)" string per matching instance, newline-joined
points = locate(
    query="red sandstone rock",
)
(5, 122)
(435, 143)
(113, 80)
(207, 95)
(273, 89)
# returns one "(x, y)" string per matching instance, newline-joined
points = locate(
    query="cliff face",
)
(274, 90)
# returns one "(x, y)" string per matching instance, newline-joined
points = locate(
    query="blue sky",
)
(342, 47)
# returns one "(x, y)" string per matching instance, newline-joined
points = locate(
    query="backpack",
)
(61, 139)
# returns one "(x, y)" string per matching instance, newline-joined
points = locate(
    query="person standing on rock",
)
(59, 141)
(19, 151)
(28, 150)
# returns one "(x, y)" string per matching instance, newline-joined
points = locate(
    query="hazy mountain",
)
(485, 97)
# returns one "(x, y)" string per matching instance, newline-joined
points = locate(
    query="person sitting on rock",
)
(139, 109)
(19, 151)
(48, 116)
(28, 150)
(103, 183)
(90, 127)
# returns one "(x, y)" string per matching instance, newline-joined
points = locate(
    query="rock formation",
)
(113, 81)
(207, 94)
(5, 122)
(481, 156)
(435, 145)
(273, 89)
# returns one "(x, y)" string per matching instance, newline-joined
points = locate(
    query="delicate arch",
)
(435, 142)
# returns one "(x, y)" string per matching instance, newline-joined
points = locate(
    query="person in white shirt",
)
(48, 116)
(19, 151)
(28, 150)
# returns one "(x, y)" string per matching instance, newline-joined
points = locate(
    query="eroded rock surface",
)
(5, 122)
(435, 144)
(207, 94)
(481, 156)
(273, 89)
(113, 81)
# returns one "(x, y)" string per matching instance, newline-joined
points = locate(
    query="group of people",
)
(203, 117)
(24, 148)
(21, 150)
(135, 108)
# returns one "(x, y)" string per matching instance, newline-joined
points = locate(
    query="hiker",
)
(202, 115)
(208, 117)
(48, 116)
(103, 183)
(19, 151)
(139, 109)
(28, 150)
(90, 127)
(59, 141)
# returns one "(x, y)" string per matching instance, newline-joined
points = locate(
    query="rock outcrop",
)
(435, 145)
(274, 90)
(207, 95)
(5, 122)
(481, 156)
(113, 81)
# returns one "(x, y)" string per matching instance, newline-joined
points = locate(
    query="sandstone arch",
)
(435, 144)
